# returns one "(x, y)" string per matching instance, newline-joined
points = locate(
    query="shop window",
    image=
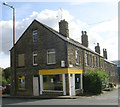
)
(34, 35)
(51, 56)
(21, 82)
(21, 60)
(52, 82)
(45, 78)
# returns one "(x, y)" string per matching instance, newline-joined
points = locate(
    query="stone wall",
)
(25, 45)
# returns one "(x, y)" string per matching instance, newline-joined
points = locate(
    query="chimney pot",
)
(97, 48)
(85, 32)
(105, 53)
(84, 39)
(97, 44)
(82, 33)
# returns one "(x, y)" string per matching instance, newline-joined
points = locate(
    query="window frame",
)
(96, 61)
(53, 52)
(76, 82)
(77, 57)
(35, 34)
(93, 61)
(86, 59)
(18, 60)
(19, 82)
(34, 55)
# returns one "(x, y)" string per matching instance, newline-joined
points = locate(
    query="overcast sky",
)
(98, 17)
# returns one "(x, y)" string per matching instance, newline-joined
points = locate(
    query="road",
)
(109, 98)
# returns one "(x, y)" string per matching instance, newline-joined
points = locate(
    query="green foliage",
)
(7, 72)
(8, 80)
(111, 85)
(6, 76)
(95, 81)
(4, 82)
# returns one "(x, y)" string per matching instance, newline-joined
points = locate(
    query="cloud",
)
(106, 33)
(51, 18)
(107, 26)
(73, 1)
(4, 60)
(95, 1)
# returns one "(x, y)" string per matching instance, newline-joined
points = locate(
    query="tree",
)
(6, 76)
(7, 73)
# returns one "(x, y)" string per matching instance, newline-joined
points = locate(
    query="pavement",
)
(41, 97)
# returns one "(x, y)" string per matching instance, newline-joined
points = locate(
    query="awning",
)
(60, 71)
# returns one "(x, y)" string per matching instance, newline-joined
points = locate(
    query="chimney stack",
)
(97, 48)
(84, 39)
(63, 28)
(105, 53)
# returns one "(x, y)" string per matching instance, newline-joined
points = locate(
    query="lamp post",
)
(13, 21)
(14, 52)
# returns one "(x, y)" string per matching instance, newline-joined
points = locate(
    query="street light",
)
(14, 52)
(13, 21)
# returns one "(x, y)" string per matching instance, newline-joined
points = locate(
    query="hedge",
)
(95, 81)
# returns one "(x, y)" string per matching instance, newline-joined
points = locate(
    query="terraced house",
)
(45, 61)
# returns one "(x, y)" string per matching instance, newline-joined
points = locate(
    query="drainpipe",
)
(83, 70)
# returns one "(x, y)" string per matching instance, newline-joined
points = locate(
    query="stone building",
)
(45, 61)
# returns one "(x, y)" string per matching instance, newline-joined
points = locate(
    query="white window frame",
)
(53, 52)
(34, 32)
(77, 57)
(34, 54)
(86, 59)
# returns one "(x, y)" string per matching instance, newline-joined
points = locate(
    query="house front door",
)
(35, 86)
(72, 84)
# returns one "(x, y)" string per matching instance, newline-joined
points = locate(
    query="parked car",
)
(3, 90)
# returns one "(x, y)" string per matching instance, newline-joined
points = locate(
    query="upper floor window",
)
(21, 61)
(77, 57)
(93, 61)
(86, 59)
(90, 56)
(34, 35)
(96, 61)
(51, 56)
(34, 58)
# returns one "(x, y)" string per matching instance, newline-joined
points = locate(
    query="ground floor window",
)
(52, 82)
(77, 81)
(21, 82)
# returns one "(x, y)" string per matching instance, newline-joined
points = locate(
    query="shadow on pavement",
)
(10, 101)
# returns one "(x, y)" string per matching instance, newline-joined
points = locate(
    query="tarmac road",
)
(109, 98)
